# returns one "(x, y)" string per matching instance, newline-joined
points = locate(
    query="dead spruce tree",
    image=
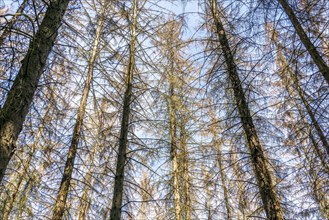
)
(124, 127)
(310, 47)
(59, 207)
(20, 96)
(270, 199)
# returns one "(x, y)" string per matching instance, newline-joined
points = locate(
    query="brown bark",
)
(316, 57)
(20, 96)
(63, 191)
(123, 141)
(271, 202)
(85, 201)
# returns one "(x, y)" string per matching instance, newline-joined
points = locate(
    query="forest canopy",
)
(164, 109)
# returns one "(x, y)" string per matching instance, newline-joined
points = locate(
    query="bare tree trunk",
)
(295, 87)
(223, 180)
(59, 207)
(173, 143)
(185, 171)
(218, 147)
(317, 185)
(263, 175)
(9, 26)
(242, 203)
(20, 96)
(123, 141)
(85, 200)
(315, 123)
(317, 58)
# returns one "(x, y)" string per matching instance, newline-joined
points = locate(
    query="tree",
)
(260, 164)
(13, 112)
(124, 128)
(312, 50)
(69, 165)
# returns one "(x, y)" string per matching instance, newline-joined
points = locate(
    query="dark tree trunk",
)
(317, 58)
(263, 175)
(69, 165)
(123, 141)
(20, 96)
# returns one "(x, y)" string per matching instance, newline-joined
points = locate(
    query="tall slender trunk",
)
(85, 201)
(20, 96)
(317, 58)
(223, 180)
(63, 191)
(320, 196)
(218, 147)
(208, 183)
(271, 202)
(123, 141)
(242, 202)
(185, 169)
(295, 87)
(9, 26)
(310, 113)
(173, 141)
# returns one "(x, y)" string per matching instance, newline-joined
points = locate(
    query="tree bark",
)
(20, 96)
(185, 170)
(314, 53)
(173, 143)
(271, 202)
(60, 203)
(123, 141)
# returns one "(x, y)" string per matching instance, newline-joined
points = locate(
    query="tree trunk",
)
(60, 203)
(85, 201)
(173, 143)
(318, 186)
(123, 141)
(271, 202)
(317, 58)
(315, 123)
(218, 147)
(20, 96)
(185, 170)
(295, 87)
(242, 201)
(223, 180)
